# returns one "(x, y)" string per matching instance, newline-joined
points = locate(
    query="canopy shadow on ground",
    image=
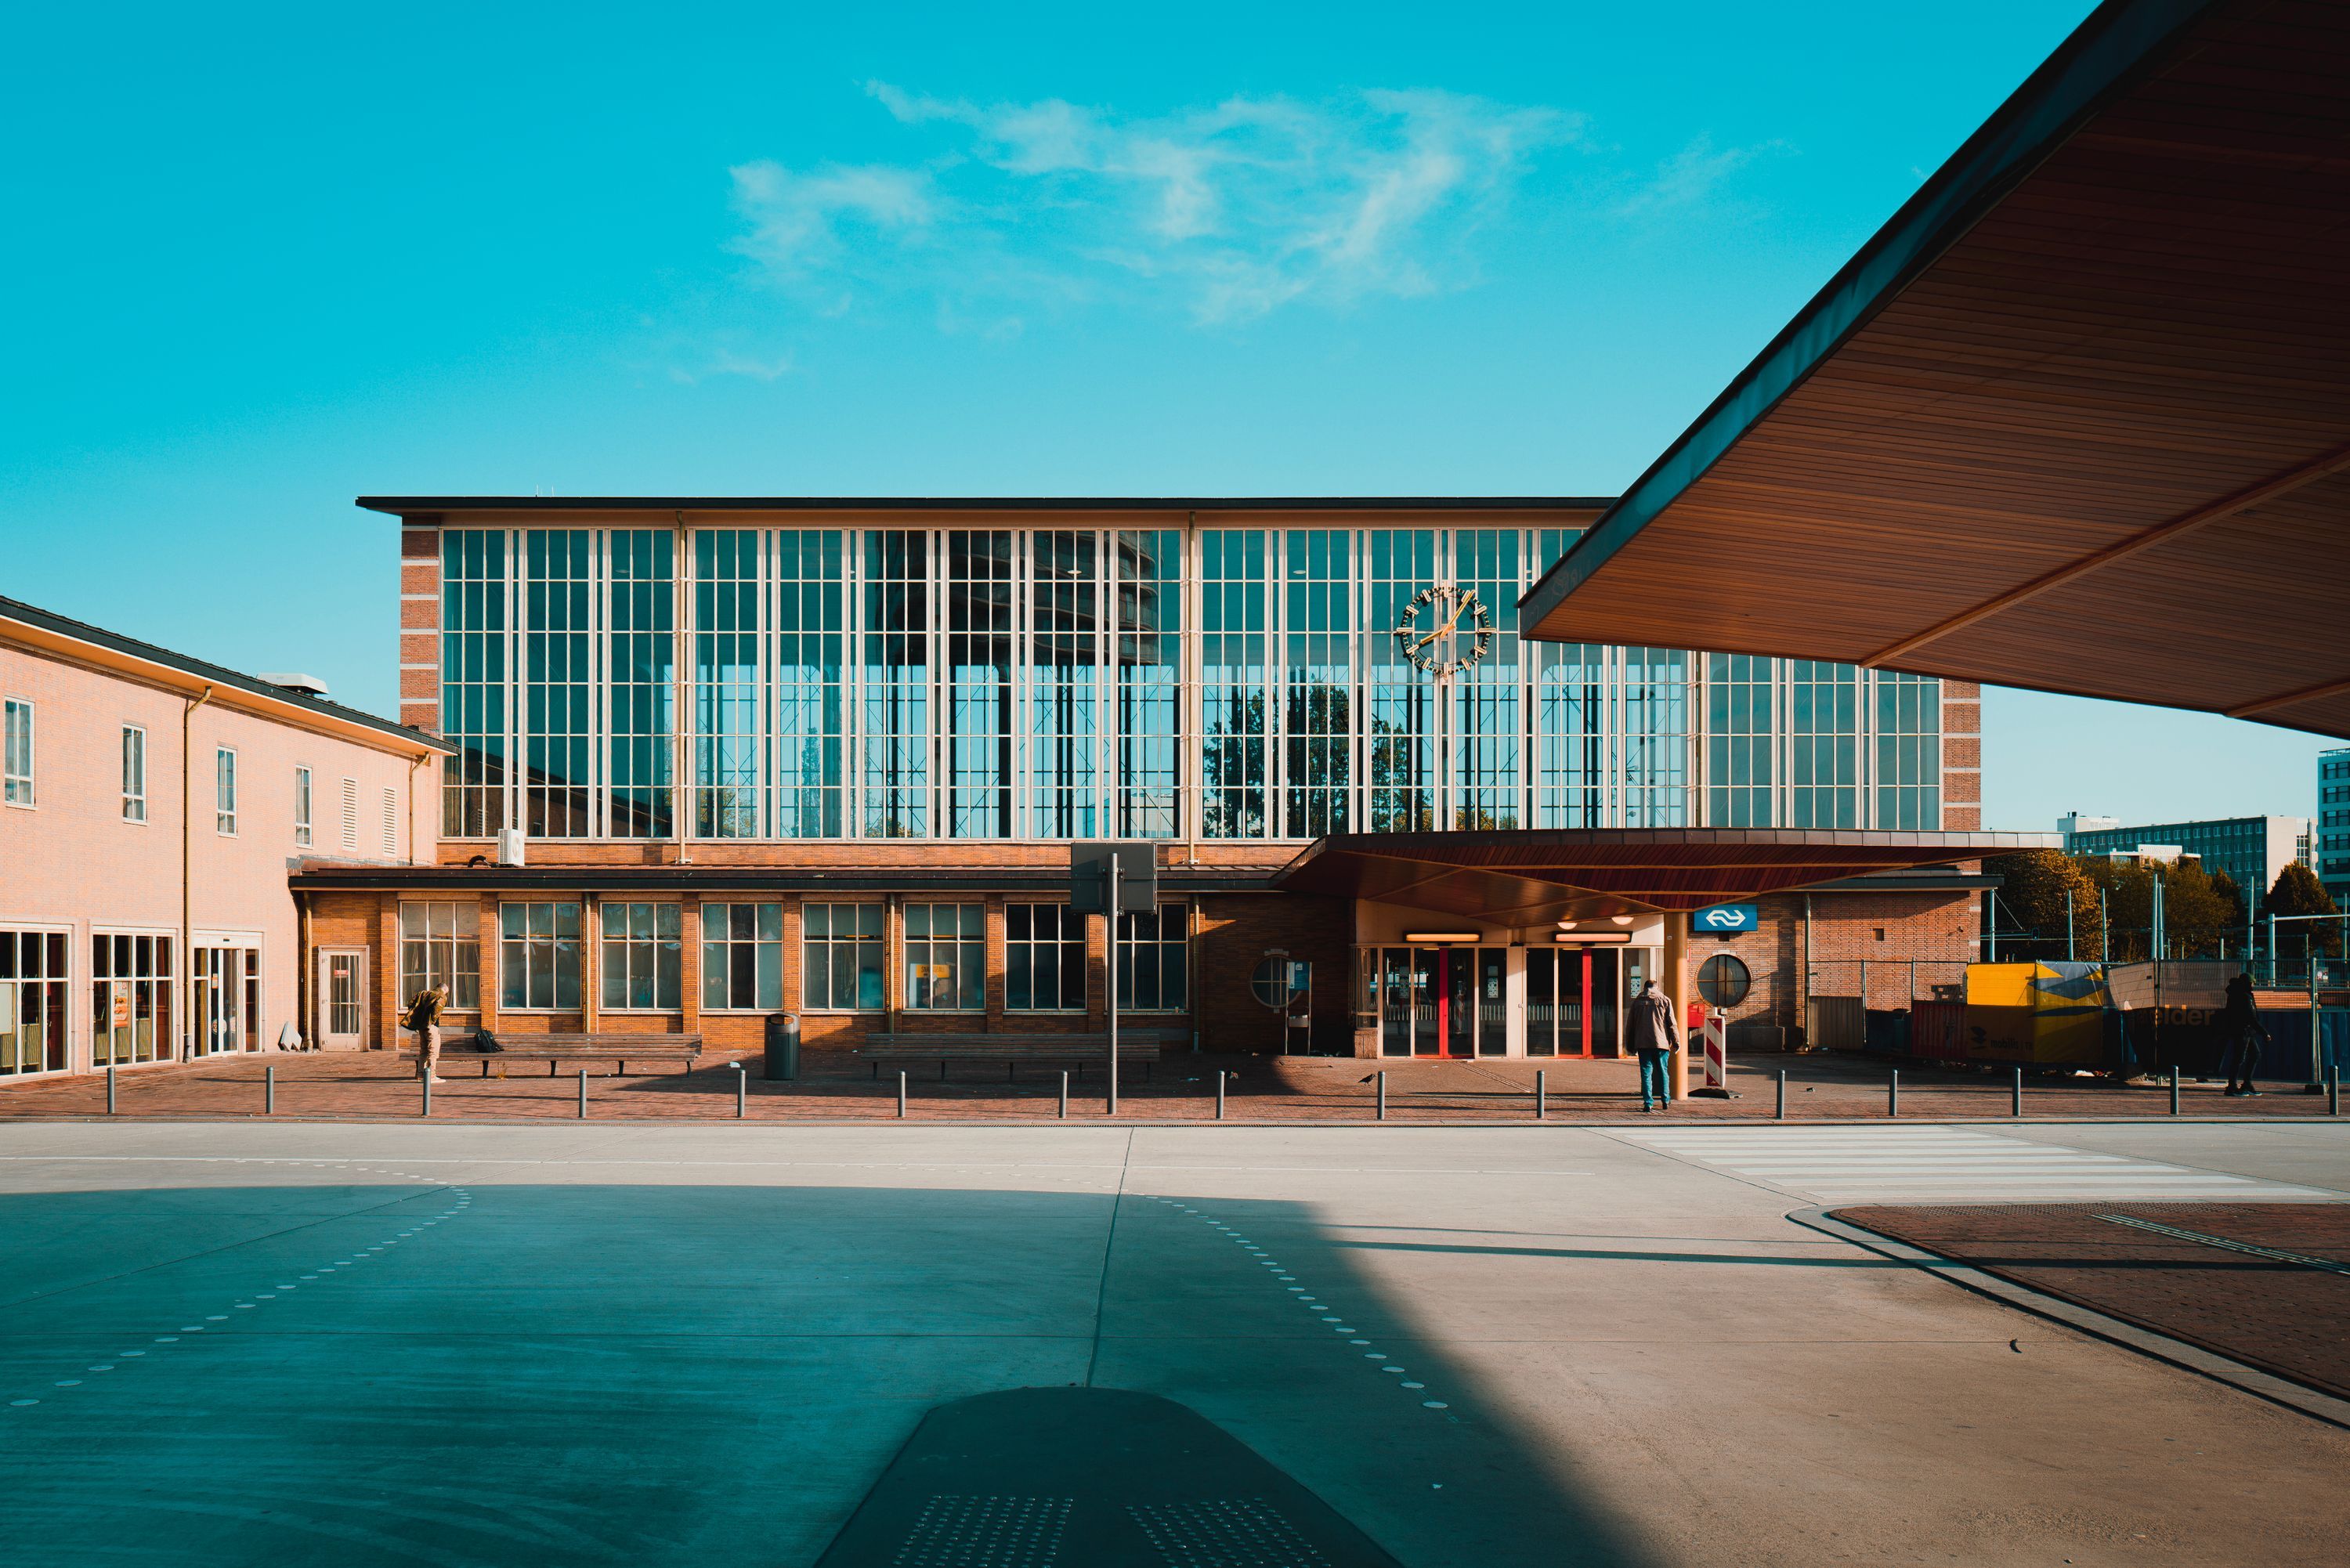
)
(715, 1375)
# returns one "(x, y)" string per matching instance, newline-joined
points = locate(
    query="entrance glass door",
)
(1407, 984)
(1566, 988)
(342, 999)
(228, 1000)
(1442, 1001)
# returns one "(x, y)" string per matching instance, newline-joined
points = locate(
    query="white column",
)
(1513, 995)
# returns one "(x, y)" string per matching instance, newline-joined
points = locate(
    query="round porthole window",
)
(1277, 980)
(1722, 980)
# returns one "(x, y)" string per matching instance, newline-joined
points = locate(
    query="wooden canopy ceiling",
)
(2077, 419)
(1531, 877)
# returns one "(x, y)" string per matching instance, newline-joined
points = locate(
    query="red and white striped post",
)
(1717, 1057)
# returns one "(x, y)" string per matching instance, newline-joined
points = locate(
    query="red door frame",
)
(1587, 1002)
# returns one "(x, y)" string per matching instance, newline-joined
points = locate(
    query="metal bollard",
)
(1065, 1094)
(1541, 1092)
(1383, 1097)
(1893, 1093)
(902, 1093)
(269, 1089)
(2333, 1091)
(425, 1084)
(583, 1094)
(2015, 1105)
(1781, 1114)
(1220, 1094)
(2174, 1091)
(109, 1091)
(741, 1091)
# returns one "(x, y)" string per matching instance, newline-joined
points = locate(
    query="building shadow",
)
(694, 1374)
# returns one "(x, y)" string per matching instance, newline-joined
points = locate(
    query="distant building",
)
(2251, 849)
(2332, 861)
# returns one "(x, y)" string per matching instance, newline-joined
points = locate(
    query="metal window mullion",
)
(938, 722)
(1276, 684)
(1109, 715)
(852, 670)
(1189, 744)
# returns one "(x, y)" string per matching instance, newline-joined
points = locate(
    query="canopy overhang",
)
(1529, 878)
(2077, 419)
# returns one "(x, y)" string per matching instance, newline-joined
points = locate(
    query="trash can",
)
(783, 1047)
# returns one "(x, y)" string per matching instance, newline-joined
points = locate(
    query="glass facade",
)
(1071, 683)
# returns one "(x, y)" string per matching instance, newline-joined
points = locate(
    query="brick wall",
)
(1962, 756)
(1889, 931)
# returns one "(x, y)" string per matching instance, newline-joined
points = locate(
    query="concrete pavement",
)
(675, 1344)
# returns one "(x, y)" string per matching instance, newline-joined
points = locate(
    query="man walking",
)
(2242, 1035)
(1654, 1037)
(424, 1017)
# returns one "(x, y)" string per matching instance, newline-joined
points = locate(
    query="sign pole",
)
(1112, 900)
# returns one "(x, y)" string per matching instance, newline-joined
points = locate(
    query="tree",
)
(2194, 915)
(2232, 896)
(2298, 892)
(2039, 884)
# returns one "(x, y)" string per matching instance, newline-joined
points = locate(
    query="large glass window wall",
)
(1048, 683)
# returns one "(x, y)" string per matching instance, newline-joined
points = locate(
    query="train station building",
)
(715, 759)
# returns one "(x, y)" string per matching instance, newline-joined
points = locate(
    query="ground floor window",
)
(32, 1002)
(946, 957)
(1154, 959)
(129, 998)
(641, 948)
(840, 959)
(1044, 958)
(743, 956)
(538, 957)
(227, 1003)
(441, 944)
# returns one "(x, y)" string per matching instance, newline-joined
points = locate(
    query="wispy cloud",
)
(1226, 213)
(1692, 176)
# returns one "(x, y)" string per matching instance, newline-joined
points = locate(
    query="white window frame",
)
(726, 943)
(70, 979)
(619, 956)
(1062, 916)
(304, 837)
(166, 980)
(932, 945)
(827, 942)
(581, 937)
(16, 788)
(441, 951)
(224, 791)
(134, 801)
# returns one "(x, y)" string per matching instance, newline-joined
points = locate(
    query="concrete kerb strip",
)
(2188, 1357)
(1615, 1122)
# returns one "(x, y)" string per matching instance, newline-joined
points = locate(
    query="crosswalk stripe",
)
(1941, 1163)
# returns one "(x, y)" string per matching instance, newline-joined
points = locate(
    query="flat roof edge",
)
(405, 506)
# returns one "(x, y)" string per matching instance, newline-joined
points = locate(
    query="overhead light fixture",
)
(1592, 939)
(1621, 919)
(1444, 937)
(1567, 925)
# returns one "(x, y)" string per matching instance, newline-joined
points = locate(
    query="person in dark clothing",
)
(1654, 1037)
(2242, 1035)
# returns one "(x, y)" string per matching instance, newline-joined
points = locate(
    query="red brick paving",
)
(2283, 1317)
(1182, 1088)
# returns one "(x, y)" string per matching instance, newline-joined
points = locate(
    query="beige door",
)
(342, 998)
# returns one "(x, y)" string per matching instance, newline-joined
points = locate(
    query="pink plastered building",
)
(151, 807)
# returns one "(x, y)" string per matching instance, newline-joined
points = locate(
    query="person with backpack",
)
(424, 1018)
(2242, 1035)
(1654, 1037)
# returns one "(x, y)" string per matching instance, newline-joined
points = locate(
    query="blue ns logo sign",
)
(1728, 918)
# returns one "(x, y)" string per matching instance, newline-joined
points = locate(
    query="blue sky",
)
(266, 259)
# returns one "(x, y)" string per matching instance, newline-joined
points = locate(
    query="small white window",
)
(392, 822)
(351, 814)
(224, 791)
(302, 807)
(16, 754)
(134, 773)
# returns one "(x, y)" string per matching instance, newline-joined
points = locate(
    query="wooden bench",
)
(553, 1049)
(1012, 1048)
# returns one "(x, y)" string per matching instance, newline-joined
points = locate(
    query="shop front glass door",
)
(1407, 1000)
(228, 1000)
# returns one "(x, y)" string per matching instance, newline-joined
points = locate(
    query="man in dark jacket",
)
(2242, 1035)
(1654, 1037)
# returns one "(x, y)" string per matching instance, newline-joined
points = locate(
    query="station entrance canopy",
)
(2077, 419)
(1531, 877)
